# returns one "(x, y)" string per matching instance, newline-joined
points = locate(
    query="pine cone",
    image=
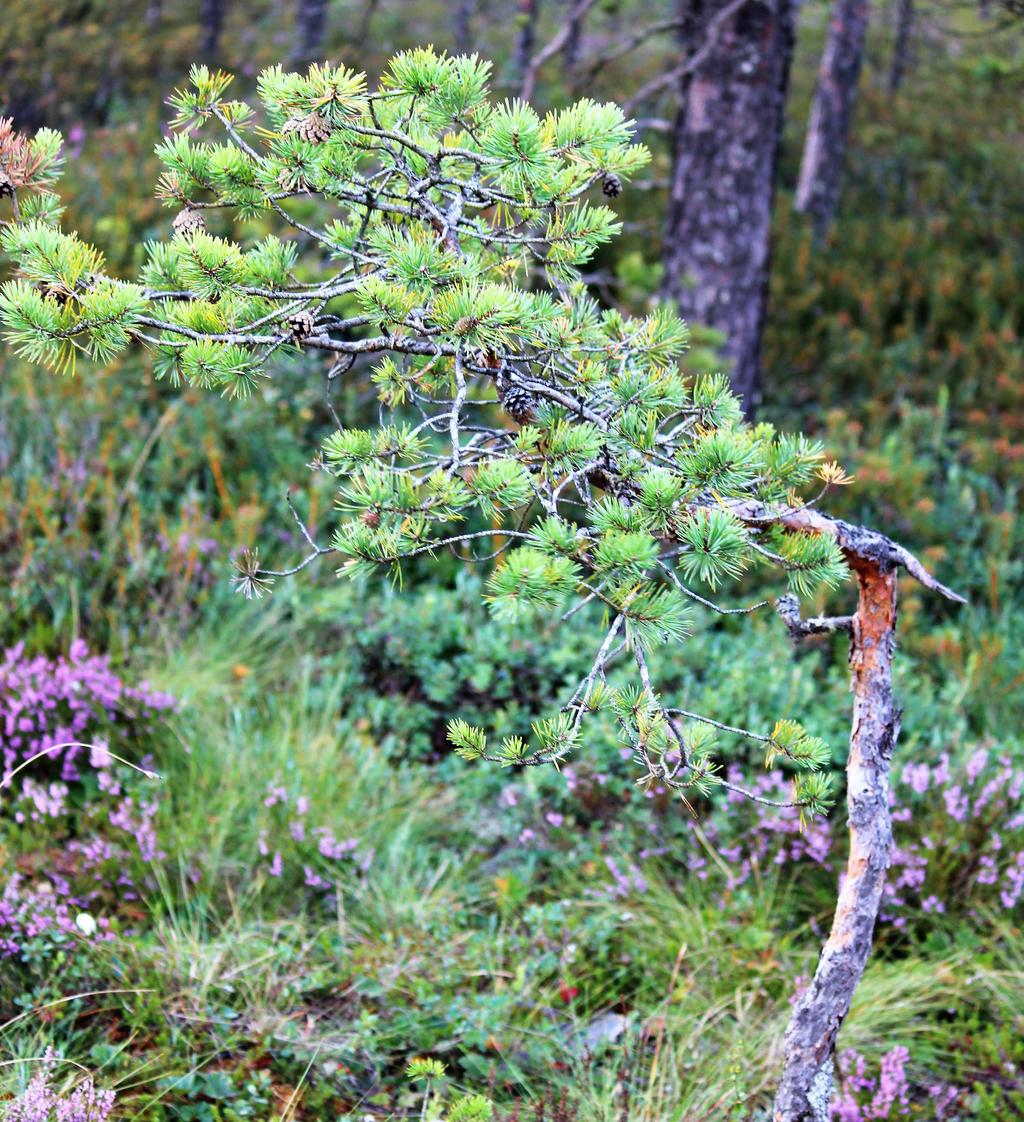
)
(518, 402)
(301, 325)
(611, 185)
(371, 518)
(51, 292)
(188, 222)
(312, 128)
(6, 185)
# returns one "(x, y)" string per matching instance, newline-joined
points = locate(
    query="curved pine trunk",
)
(726, 142)
(828, 130)
(806, 1084)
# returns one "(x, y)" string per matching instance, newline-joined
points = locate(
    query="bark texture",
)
(726, 143)
(574, 37)
(806, 1084)
(828, 129)
(462, 27)
(529, 13)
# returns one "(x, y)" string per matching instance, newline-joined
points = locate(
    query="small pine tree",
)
(441, 239)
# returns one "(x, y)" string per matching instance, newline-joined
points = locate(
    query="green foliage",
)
(99, 535)
(718, 546)
(454, 228)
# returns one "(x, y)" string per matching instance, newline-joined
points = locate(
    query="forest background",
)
(317, 891)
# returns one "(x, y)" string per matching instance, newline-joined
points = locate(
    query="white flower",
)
(85, 923)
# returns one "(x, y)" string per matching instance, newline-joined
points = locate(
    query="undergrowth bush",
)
(78, 826)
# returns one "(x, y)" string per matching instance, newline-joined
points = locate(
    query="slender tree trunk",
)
(821, 170)
(310, 26)
(574, 39)
(369, 11)
(806, 1084)
(529, 11)
(462, 27)
(805, 1089)
(901, 45)
(153, 14)
(726, 137)
(211, 19)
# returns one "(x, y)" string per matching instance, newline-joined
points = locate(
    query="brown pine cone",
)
(516, 400)
(611, 185)
(301, 325)
(312, 128)
(188, 222)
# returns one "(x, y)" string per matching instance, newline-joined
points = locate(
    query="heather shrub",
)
(47, 704)
(890, 1093)
(42, 1101)
(78, 821)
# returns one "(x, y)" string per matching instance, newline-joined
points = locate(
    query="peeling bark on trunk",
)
(803, 1094)
(828, 130)
(726, 141)
(806, 1084)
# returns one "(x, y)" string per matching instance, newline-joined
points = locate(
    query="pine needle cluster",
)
(438, 236)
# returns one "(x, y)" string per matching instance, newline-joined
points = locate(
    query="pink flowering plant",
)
(80, 820)
(959, 830)
(42, 1101)
(291, 839)
(892, 1092)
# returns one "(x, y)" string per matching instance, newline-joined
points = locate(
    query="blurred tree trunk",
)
(529, 11)
(726, 144)
(310, 27)
(367, 22)
(901, 45)
(574, 38)
(154, 10)
(462, 27)
(828, 130)
(211, 21)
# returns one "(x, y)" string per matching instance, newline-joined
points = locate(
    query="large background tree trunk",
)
(574, 38)
(829, 127)
(462, 27)
(726, 141)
